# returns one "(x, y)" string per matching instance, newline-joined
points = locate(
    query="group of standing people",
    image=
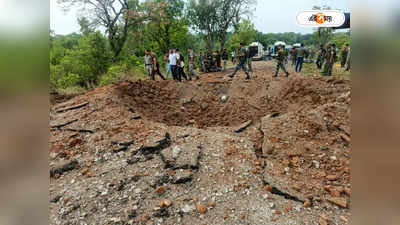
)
(298, 56)
(216, 59)
(175, 65)
(328, 56)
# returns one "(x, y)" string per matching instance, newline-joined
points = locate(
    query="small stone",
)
(268, 188)
(271, 205)
(308, 147)
(268, 149)
(316, 164)
(343, 218)
(160, 190)
(307, 203)
(187, 209)
(212, 204)
(331, 177)
(144, 218)
(84, 171)
(201, 208)
(130, 213)
(255, 170)
(341, 202)
(165, 203)
(347, 191)
(323, 220)
(335, 193)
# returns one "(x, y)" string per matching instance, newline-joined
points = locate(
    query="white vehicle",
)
(256, 51)
(273, 51)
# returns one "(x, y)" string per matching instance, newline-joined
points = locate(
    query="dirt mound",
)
(188, 104)
(56, 98)
(312, 91)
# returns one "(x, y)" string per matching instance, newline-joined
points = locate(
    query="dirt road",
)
(214, 151)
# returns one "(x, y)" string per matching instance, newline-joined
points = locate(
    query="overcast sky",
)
(271, 16)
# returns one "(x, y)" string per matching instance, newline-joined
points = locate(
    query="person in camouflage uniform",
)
(152, 65)
(329, 60)
(241, 56)
(280, 60)
(344, 55)
(348, 62)
(191, 72)
(321, 56)
(218, 60)
(224, 59)
(249, 61)
(201, 62)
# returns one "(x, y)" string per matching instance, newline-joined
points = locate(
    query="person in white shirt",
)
(172, 61)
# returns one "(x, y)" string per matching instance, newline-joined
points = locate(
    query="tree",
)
(244, 34)
(213, 19)
(86, 27)
(171, 24)
(117, 16)
(86, 61)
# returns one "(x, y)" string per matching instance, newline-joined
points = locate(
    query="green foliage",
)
(245, 33)
(114, 73)
(341, 39)
(78, 60)
(69, 80)
(213, 19)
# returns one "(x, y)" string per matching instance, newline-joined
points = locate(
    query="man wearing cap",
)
(280, 60)
(191, 72)
(241, 56)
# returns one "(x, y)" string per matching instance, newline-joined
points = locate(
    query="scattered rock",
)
(56, 199)
(212, 204)
(268, 188)
(187, 209)
(342, 202)
(160, 190)
(165, 203)
(182, 176)
(307, 203)
(323, 220)
(347, 191)
(156, 145)
(201, 208)
(243, 126)
(65, 167)
(332, 177)
(267, 149)
(130, 213)
(161, 212)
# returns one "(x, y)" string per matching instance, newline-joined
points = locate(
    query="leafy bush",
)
(70, 80)
(114, 74)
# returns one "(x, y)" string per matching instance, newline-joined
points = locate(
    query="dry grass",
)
(312, 70)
